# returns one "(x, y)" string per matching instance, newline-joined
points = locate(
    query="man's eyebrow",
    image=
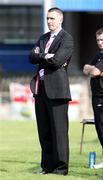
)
(50, 18)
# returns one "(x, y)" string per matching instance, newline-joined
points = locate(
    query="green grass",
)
(20, 152)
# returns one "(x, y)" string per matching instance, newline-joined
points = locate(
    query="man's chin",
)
(50, 28)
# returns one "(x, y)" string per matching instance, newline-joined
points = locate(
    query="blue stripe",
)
(80, 5)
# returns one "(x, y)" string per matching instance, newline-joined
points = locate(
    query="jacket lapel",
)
(57, 38)
(43, 42)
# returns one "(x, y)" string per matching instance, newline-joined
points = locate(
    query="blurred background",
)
(21, 24)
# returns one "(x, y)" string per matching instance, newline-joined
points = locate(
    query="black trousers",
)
(97, 103)
(52, 123)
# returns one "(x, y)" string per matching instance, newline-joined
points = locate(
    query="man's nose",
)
(100, 41)
(49, 20)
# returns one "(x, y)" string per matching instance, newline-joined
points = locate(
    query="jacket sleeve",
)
(36, 58)
(62, 54)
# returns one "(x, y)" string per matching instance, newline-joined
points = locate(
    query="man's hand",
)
(37, 50)
(95, 72)
(65, 64)
(87, 69)
(91, 70)
(101, 74)
(49, 55)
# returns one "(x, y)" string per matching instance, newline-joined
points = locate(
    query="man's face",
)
(99, 39)
(54, 21)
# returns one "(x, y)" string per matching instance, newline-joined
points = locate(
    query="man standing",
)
(52, 53)
(95, 70)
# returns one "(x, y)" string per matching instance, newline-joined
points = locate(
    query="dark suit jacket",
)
(56, 80)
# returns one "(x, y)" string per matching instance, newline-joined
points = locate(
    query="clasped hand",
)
(92, 71)
(48, 55)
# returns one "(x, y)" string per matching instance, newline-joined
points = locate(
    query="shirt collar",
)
(55, 33)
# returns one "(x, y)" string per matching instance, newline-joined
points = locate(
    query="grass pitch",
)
(20, 152)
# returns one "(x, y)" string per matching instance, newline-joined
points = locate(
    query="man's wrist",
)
(42, 55)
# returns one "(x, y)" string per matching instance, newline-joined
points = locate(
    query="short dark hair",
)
(99, 31)
(56, 9)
